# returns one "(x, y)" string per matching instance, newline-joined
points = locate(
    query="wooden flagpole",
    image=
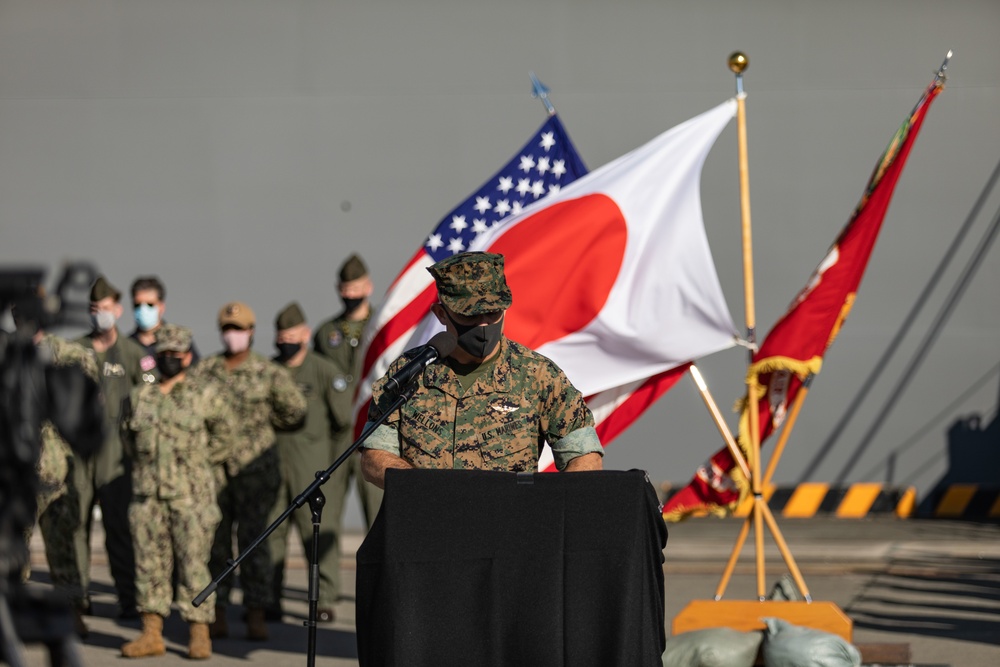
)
(738, 63)
(760, 514)
(793, 415)
(779, 448)
(745, 615)
(720, 423)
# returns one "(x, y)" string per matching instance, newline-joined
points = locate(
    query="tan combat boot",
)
(219, 628)
(150, 642)
(256, 626)
(199, 646)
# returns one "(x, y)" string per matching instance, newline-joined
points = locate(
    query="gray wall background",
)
(242, 148)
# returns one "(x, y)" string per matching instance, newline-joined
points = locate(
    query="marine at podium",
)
(476, 559)
(490, 405)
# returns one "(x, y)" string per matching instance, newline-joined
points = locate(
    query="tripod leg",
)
(65, 652)
(12, 650)
(733, 557)
(785, 552)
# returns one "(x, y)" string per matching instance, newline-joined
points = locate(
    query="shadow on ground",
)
(953, 598)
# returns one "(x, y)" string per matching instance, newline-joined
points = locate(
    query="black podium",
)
(502, 569)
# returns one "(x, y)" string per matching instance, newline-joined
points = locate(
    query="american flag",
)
(544, 165)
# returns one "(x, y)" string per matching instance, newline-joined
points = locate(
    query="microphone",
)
(441, 345)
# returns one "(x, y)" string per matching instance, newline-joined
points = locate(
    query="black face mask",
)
(350, 305)
(169, 366)
(288, 350)
(476, 339)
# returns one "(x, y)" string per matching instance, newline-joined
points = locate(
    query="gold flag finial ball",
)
(738, 62)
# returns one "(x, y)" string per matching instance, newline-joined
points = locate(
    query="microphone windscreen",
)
(444, 342)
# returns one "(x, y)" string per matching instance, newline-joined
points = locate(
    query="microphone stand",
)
(316, 502)
(314, 496)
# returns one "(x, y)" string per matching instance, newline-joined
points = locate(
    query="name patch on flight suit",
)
(306, 389)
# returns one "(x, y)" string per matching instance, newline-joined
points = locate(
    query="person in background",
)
(105, 478)
(304, 450)
(174, 432)
(148, 306)
(264, 397)
(339, 340)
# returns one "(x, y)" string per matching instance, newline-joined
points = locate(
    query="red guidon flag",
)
(612, 277)
(794, 348)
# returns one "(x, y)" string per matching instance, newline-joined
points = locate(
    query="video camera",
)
(33, 390)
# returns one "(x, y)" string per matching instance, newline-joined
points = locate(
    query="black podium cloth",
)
(483, 569)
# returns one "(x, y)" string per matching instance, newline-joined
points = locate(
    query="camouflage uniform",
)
(263, 396)
(54, 459)
(500, 423)
(519, 400)
(173, 440)
(106, 479)
(59, 521)
(148, 361)
(303, 451)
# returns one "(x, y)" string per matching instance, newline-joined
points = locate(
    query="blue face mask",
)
(147, 316)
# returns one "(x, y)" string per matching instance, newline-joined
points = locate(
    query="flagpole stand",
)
(745, 615)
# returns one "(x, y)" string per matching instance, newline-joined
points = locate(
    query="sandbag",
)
(712, 647)
(784, 590)
(787, 645)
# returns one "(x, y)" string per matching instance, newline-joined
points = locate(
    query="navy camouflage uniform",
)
(263, 396)
(174, 439)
